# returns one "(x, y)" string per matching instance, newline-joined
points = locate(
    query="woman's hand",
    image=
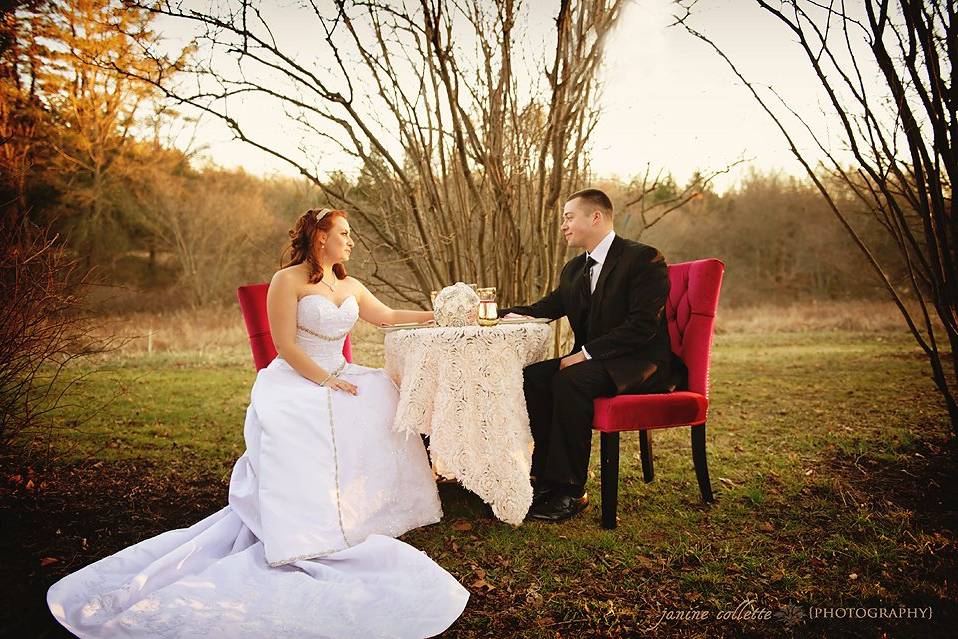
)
(334, 383)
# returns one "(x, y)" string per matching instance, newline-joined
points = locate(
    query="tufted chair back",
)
(693, 297)
(252, 301)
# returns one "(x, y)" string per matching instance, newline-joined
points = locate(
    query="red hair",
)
(303, 242)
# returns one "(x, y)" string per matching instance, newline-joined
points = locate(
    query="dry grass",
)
(200, 330)
(220, 329)
(857, 316)
(216, 330)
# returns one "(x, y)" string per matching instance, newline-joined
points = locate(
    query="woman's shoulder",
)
(352, 282)
(355, 287)
(293, 275)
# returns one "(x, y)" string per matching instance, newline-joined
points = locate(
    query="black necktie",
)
(589, 263)
(587, 298)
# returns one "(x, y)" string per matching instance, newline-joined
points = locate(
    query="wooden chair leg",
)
(645, 452)
(700, 463)
(609, 468)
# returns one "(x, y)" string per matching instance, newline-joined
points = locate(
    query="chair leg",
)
(609, 468)
(700, 463)
(645, 452)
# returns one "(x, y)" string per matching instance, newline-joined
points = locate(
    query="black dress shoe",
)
(541, 492)
(560, 507)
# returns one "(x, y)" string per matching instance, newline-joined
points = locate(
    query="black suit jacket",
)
(623, 326)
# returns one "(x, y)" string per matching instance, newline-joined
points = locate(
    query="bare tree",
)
(653, 195)
(898, 153)
(465, 136)
(208, 221)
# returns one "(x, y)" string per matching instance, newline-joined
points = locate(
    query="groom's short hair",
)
(596, 198)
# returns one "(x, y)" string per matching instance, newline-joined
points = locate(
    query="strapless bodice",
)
(322, 327)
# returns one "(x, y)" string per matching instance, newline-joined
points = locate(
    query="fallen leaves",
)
(533, 597)
(481, 583)
(28, 482)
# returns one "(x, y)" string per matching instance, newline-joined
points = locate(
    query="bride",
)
(306, 546)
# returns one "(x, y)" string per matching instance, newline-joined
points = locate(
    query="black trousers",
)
(561, 410)
(560, 416)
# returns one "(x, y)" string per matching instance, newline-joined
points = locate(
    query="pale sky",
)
(668, 99)
(671, 101)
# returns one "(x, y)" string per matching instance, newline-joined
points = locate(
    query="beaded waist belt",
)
(328, 338)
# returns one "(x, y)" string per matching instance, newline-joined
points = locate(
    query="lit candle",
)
(488, 310)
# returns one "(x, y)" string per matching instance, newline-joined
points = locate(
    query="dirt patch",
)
(58, 519)
(919, 488)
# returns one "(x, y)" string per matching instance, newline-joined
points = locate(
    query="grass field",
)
(828, 450)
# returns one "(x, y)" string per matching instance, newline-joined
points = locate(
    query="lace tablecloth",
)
(462, 386)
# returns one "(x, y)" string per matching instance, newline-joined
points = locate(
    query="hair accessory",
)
(320, 214)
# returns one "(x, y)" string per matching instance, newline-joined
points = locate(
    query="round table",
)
(462, 386)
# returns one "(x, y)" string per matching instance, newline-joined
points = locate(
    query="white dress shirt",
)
(599, 253)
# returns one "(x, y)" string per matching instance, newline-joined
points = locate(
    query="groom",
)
(614, 296)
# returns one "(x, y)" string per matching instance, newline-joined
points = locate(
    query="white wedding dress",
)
(305, 547)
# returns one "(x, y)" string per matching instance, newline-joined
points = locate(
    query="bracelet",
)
(335, 372)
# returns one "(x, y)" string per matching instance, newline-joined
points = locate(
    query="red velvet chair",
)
(690, 309)
(252, 301)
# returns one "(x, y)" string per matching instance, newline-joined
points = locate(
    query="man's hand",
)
(571, 360)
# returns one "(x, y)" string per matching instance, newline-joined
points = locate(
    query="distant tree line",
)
(778, 238)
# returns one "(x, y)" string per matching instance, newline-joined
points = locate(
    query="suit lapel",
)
(611, 261)
(578, 296)
(580, 293)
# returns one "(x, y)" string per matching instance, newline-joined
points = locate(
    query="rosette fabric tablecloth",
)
(462, 386)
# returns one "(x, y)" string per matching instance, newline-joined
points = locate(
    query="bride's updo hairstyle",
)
(304, 242)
